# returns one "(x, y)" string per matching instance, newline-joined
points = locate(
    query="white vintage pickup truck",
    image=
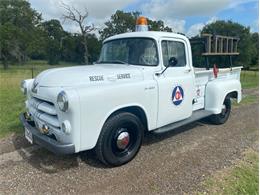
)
(143, 81)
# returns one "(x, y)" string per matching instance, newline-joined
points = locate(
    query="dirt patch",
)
(251, 91)
(12, 143)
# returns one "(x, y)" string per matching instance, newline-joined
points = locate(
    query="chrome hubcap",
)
(123, 140)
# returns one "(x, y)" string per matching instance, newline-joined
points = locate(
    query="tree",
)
(255, 49)
(94, 47)
(73, 49)
(158, 26)
(74, 15)
(18, 23)
(122, 22)
(230, 28)
(37, 45)
(55, 35)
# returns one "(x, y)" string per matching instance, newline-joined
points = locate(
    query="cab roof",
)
(149, 34)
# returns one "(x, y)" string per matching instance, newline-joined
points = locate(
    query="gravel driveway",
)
(171, 163)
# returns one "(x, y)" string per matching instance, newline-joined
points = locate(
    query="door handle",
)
(187, 71)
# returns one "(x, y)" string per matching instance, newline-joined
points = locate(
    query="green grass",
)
(242, 178)
(249, 79)
(11, 101)
(11, 97)
(249, 99)
(36, 65)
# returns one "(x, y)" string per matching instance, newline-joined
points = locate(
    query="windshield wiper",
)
(113, 61)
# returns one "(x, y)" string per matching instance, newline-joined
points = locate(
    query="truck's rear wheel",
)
(222, 117)
(120, 139)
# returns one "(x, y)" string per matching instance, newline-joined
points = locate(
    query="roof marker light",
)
(141, 24)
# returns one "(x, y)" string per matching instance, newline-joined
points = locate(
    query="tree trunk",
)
(86, 49)
(5, 63)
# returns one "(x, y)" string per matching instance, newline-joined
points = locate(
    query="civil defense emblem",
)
(177, 95)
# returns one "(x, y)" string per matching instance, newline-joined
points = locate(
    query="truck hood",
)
(89, 75)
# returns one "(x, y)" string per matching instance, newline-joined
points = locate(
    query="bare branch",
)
(90, 28)
(74, 15)
(69, 14)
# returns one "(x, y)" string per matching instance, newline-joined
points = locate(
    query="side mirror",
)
(173, 61)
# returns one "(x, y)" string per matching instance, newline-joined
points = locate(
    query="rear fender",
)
(218, 90)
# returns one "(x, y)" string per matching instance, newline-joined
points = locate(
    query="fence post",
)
(32, 72)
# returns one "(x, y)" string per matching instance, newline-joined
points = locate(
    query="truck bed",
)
(203, 76)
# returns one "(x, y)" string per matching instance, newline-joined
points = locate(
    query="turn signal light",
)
(45, 129)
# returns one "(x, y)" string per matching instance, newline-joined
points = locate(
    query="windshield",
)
(136, 51)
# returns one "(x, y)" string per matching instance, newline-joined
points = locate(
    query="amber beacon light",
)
(141, 24)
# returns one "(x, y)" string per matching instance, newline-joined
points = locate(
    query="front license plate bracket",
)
(28, 135)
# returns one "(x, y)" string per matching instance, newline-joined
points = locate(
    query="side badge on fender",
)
(177, 95)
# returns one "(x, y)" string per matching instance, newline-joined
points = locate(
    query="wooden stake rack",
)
(220, 45)
(217, 45)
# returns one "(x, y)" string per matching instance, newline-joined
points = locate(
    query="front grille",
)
(43, 112)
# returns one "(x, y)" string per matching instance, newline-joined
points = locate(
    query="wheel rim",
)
(124, 141)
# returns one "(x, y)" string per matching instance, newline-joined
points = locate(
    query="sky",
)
(184, 16)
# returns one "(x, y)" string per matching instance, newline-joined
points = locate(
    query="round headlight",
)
(62, 101)
(24, 87)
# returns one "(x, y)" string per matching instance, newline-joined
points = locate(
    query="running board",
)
(197, 115)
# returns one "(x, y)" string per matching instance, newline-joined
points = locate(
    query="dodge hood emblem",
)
(34, 87)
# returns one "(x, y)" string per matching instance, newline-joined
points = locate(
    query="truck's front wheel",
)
(222, 117)
(120, 139)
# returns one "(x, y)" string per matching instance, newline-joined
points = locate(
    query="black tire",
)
(221, 118)
(112, 150)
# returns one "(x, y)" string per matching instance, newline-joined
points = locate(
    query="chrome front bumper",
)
(45, 141)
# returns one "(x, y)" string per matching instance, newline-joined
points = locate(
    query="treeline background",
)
(25, 36)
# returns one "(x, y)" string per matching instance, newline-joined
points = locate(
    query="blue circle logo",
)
(177, 95)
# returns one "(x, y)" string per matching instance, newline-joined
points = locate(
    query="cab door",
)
(176, 85)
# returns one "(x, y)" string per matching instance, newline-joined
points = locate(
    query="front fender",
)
(98, 103)
(217, 90)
